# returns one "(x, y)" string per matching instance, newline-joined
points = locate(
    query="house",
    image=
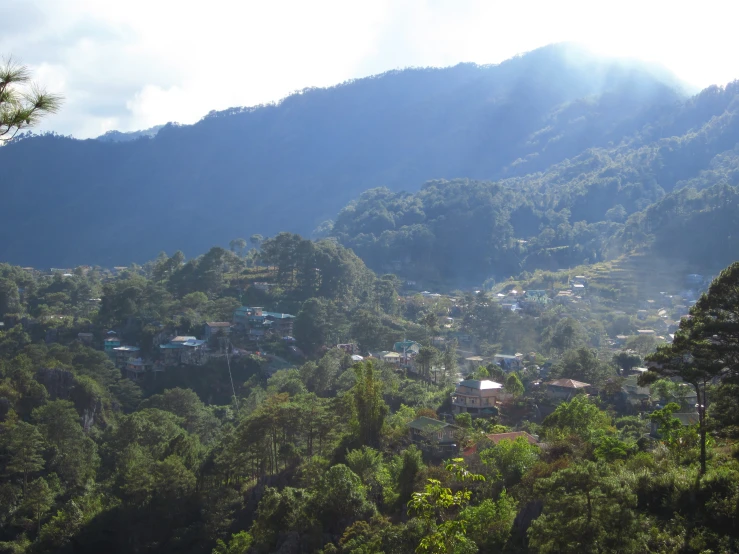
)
(122, 353)
(349, 348)
(636, 395)
(246, 315)
(110, 343)
(646, 332)
(172, 351)
(212, 328)
(535, 300)
(435, 434)
(194, 352)
(282, 323)
(512, 436)
(136, 367)
(565, 389)
(508, 362)
(477, 397)
(408, 346)
(475, 362)
(391, 358)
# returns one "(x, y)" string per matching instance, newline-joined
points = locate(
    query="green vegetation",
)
(318, 456)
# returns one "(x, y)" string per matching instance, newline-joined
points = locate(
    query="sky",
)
(133, 64)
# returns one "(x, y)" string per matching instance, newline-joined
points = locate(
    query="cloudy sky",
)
(132, 64)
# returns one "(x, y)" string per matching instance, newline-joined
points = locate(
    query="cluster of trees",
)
(648, 191)
(318, 458)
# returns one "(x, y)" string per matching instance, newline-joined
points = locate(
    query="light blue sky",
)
(132, 64)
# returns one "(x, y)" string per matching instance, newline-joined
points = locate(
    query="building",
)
(122, 353)
(391, 358)
(254, 317)
(184, 350)
(477, 397)
(408, 346)
(508, 362)
(136, 367)
(475, 362)
(194, 352)
(282, 324)
(349, 348)
(247, 315)
(535, 300)
(565, 389)
(212, 328)
(434, 434)
(172, 351)
(109, 344)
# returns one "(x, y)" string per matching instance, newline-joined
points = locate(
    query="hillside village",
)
(478, 378)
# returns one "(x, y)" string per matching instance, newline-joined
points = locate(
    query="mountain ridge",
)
(292, 165)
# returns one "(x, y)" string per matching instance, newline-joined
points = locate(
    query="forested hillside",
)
(670, 189)
(292, 165)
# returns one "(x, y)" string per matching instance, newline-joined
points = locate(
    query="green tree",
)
(370, 407)
(256, 240)
(587, 508)
(566, 334)
(706, 345)
(238, 544)
(22, 102)
(366, 462)
(625, 360)
(579, 416)
(489, 523)
(449, 360)
(74, 456)
(38, 500)
(25, 446)
(340, 499)
(437, 506)
(511, 458)
(464, 420)
(642, 344)
(581, 364)
(237, 246)
(514, 386)
(425, 359)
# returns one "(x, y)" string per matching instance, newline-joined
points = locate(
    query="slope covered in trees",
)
(318, 457)
(292, 165)
(671, 188)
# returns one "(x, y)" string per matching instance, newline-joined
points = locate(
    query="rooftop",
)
(482, 384)
(276, 315)
(568, 383)
(182, 339)
(127, 349)
(427, 424)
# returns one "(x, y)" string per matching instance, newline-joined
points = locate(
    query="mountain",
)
(670, 191)
(290, 166)
(118, 136)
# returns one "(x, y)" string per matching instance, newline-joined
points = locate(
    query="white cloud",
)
(131, 64)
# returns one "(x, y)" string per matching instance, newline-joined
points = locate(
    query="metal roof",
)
(482, 384)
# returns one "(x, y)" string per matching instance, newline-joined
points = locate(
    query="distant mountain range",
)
(292, 165)
(118, 136)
